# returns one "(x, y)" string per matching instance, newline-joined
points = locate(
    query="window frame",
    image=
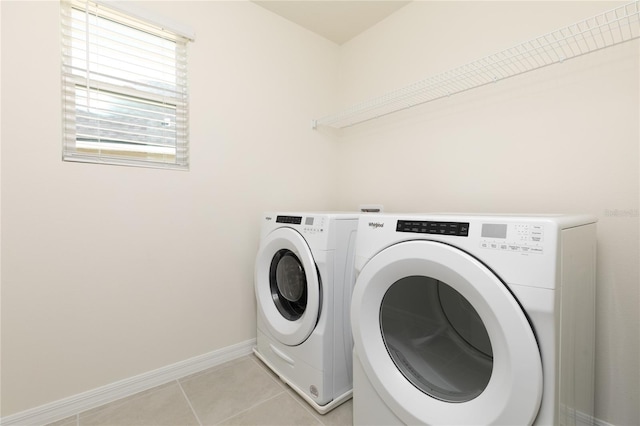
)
(141, 139)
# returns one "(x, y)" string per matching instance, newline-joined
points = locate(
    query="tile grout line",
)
(271, 373)
(305, 406)
(251, 408)
(288, 390)
(188, 402)
(276, 380)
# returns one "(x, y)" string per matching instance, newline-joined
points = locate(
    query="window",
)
(124, 85)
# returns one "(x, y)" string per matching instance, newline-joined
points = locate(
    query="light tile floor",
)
(240, 392)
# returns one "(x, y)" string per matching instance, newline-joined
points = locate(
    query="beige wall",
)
(562, 139)
(109, 272)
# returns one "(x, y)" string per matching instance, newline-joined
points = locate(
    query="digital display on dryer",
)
(494, 230)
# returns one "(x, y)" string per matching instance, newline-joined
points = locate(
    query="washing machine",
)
(474, 320)
(304, 276)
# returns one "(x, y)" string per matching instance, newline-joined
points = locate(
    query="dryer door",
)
(442, 339)
(287, 286)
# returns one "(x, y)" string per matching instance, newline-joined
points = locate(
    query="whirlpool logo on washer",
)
(376, 225)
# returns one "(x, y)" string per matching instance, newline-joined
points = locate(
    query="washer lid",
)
(283, 264)
(513, 392)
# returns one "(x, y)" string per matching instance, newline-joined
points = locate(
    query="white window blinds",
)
(124, 83)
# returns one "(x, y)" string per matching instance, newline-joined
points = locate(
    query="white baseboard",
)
(75, 404)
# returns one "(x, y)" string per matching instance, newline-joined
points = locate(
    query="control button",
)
(537, 250)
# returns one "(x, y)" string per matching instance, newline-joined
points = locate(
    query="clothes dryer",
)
(474, 320)
(304, 277)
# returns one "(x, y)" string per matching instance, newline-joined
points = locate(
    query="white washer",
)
(474, 319)
(304, 276)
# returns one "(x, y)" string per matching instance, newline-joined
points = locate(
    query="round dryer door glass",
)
(436, 339)
(288, 284)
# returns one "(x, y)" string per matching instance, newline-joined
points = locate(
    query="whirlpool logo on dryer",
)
(376, 225)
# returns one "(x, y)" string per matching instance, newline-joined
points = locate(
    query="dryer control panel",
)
(459, 229)
(516, 237)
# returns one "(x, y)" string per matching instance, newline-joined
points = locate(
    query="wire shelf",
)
(610, 28)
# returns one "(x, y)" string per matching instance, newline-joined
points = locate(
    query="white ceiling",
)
(336, 20)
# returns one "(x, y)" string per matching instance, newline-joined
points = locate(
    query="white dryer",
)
(474, 320)
(304, 277)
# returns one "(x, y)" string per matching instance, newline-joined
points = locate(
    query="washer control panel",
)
(515, 237)
(306, 224)
(293, 220)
